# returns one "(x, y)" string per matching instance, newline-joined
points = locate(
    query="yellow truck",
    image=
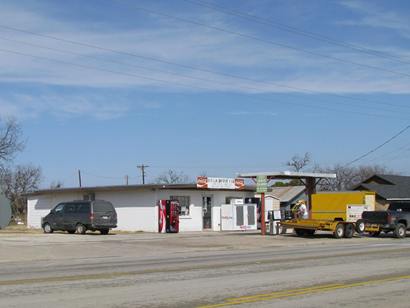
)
(337, 212)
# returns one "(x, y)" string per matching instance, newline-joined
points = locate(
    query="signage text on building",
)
(205, 182)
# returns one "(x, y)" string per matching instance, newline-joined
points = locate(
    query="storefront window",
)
(184, 202)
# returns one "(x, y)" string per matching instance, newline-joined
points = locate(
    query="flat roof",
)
(131, 187)
(288, 175)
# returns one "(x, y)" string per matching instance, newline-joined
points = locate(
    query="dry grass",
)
(20, 229)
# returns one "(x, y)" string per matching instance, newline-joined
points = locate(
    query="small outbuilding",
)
(137, 205)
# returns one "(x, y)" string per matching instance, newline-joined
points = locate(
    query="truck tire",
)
(349, 231)
(300, 232)
(400, 231)
(339, 231)
(360, 226)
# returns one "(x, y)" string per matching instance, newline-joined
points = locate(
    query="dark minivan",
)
(80, 216)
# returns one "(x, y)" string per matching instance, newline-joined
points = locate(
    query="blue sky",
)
(167, 96)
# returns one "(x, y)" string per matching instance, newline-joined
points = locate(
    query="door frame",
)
(211, 207)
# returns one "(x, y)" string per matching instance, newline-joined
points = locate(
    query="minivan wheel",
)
(80, 229)
(71, 231)
(47, 228)
(104, 231)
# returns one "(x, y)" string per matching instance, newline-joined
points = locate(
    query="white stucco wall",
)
(137, 210)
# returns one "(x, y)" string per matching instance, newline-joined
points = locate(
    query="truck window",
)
(400, 206)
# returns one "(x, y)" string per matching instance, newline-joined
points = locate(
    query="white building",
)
(136, 205)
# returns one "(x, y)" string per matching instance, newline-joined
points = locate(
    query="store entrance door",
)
(207, 212)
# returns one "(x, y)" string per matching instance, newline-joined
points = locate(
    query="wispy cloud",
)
(377, 17)
(279, 69)
(253, 113)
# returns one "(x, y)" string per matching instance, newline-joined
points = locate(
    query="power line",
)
(270, 42)
(164, 61)
(156, 69)
(190, 86)
(379, 146)
(297, 31)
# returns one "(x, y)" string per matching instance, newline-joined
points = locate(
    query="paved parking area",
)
(60, 245)
(201, 269)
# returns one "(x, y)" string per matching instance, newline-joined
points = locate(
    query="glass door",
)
(207, 212)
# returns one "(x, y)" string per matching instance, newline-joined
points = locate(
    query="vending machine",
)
(168, 216)
(162, 214)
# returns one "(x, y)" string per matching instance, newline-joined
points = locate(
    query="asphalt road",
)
(202, 270)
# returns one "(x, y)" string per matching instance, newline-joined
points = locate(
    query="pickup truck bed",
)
(396, 219)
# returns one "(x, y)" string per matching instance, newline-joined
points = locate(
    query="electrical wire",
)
(156, 69)
(297, 31)
(379, 146)
(199, 69)
(88, 67)
(269, 42)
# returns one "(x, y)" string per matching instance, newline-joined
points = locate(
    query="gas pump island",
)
(262, 179)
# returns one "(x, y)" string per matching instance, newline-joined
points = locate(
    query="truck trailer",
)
(336, 212)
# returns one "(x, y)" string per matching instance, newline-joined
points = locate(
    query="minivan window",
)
(83, 207)
(59, 208)
(69, 208)
(103, 207)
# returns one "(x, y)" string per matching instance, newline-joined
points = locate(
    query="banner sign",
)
(219, 183)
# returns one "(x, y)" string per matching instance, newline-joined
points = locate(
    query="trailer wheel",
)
(360, 226)
(339, 231)
(400, 231)
(310, 232)
(300, 232)
(349, 231)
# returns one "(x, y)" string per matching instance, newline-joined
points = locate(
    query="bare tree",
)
(347, 177)
(298, 163)
(18, 182)
(172, 177)
(10, 140)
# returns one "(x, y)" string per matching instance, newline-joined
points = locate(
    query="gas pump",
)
(168, 216)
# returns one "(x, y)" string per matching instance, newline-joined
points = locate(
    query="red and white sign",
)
(219, 183)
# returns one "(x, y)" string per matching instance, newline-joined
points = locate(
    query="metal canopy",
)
(288, 175)
(309, 179)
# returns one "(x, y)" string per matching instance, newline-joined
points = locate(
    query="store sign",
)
(205, 182)
(261, 184)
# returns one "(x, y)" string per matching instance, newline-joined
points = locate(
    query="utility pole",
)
(142, 167)
(126, 180)
(79, 177)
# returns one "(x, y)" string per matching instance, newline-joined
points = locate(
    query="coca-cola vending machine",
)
(168, 216)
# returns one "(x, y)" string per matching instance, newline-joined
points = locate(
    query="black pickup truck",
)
(395, 219)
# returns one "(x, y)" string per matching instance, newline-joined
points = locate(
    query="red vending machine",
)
(168, 216)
